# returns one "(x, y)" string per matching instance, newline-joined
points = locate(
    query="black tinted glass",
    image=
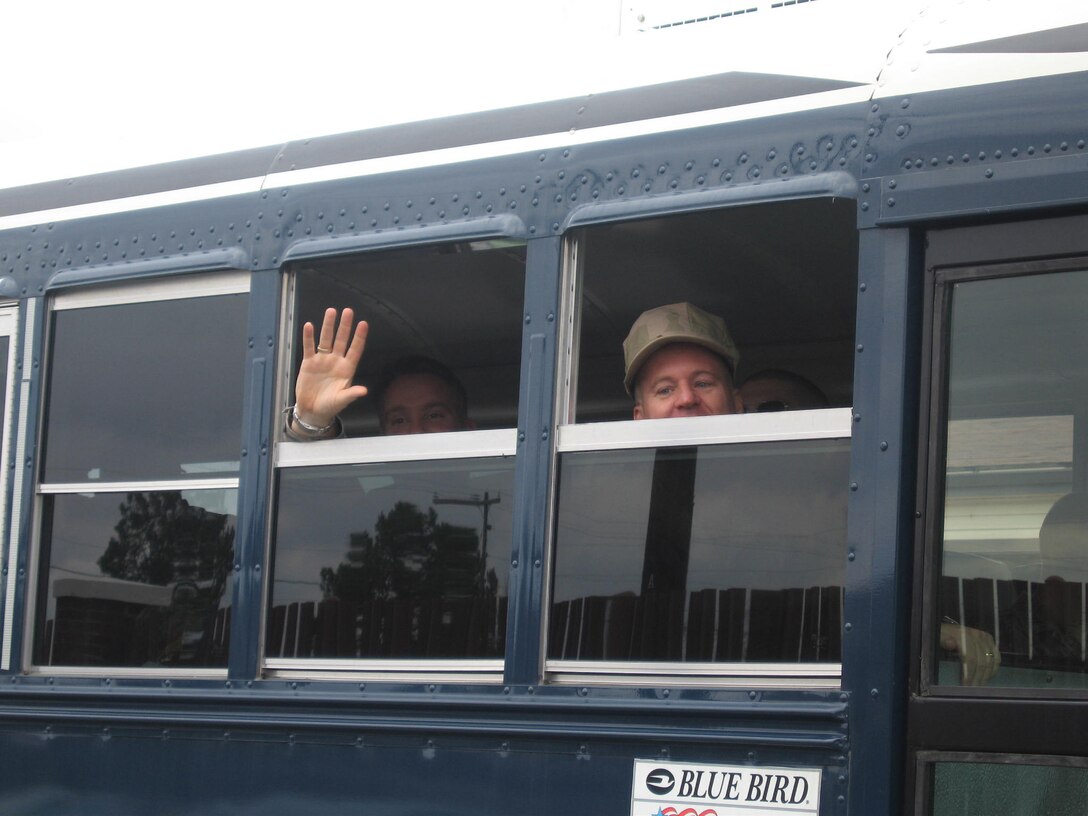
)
(716, 553)
(146, 391)
(968, 789)
(1014, 561)
(392, 561)
(136, 579)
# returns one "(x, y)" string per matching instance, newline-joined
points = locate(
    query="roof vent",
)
(654, 15)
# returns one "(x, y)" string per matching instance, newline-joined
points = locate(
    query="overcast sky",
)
(95, 86)
(98, 84)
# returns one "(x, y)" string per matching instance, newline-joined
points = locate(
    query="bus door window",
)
(689, 531)
(1013, 557)
(393, 527)
(139, 476)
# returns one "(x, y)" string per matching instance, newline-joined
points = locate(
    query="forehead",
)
(681, 359)
(416, 389)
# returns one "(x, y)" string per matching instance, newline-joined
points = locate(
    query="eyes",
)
(702, 384)
(432, 418)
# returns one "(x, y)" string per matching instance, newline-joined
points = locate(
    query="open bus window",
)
(139, 484)
(391, 545)
(1014, 537)
(782, 276)
(457, 305)
(674, 543)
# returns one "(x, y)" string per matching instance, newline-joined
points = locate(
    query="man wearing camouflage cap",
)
(679, 362)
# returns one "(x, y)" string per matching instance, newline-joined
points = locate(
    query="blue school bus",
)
(869, 601)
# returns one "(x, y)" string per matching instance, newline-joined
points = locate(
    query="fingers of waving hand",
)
(324, 384)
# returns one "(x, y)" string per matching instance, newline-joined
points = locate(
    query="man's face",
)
(682, 380)
(420, 403)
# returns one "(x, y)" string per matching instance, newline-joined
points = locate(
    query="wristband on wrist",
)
(311, 430)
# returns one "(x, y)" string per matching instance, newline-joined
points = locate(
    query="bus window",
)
(1019, 786)
(138, 485)
(1013, 542)
(715, 533)
(391, 542)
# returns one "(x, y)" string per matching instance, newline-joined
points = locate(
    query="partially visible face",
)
(683, 380)
(420, 403)
(775, 394)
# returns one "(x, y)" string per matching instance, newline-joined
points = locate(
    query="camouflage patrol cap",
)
(675, 323)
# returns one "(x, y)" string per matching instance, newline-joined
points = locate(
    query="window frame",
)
(97, 291)
(10, 327)
(964, 722)
(933, 435)
(572, 436)
(374, 450)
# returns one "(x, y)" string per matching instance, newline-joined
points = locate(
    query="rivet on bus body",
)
(883, 446)
(853, 487)
(989, 172)
(528, 319)
(860, 348)
(506, 689)
(841, 799)
(1080, 144)
(536, 563)
(891, 202)
(850, 556)
(237, 567)
(874, 693)
(848, 626)
(514, 564)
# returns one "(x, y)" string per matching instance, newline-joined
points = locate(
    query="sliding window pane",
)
(146, 391)
(392, 560)
(136, 579)
(731, 553)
